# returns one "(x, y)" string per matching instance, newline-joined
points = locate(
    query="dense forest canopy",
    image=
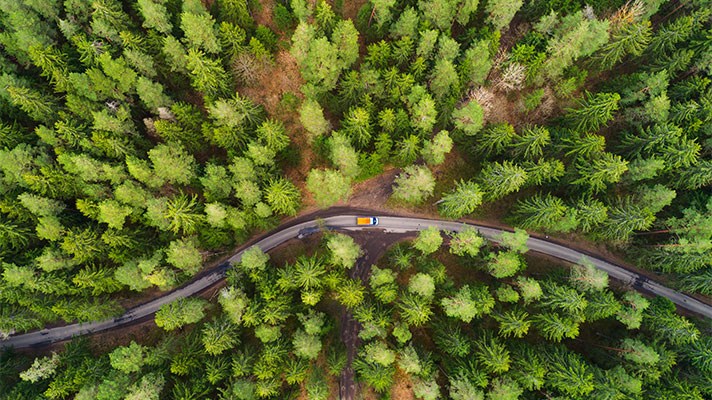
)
(140, 140)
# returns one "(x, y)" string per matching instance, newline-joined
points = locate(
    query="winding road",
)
(387, 224)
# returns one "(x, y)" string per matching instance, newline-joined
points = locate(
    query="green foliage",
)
(498, 179)
(468, 303)
(422, 285)
(594, 110)
(469, 119)
(127, 359)
(282, 196)
(180, 312)
(414, 184)
(344, 251)
(467, 241)
(428, 240)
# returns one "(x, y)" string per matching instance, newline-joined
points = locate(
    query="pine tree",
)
(501, 179)
(496, 138)
(180, 312)
(554, 327)
(625, 218)
(532, 141)
(467, 241)
(207, 75)
(568, 372)
(406, 151)
(414, 310)
(501, 12)
(539, 212)
(328, 186)
(599, 172)
(357, 124)
(492, 355)
(434, 150)
(282, 196)
(630, 38)
(218, 336)
(594, 110)
(155, 15)
(462, 200)
(414, 184)
(424, 114)
(469, 119)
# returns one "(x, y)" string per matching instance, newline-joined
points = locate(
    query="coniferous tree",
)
(464, 199)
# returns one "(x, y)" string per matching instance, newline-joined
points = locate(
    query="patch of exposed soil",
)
(263, 16)
(402, 388)
(278, 78)
(349, 8)
(374, 192)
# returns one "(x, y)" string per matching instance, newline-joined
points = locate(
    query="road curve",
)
(348, 222)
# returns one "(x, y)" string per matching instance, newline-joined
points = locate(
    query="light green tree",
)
(467, 241)
(127, 359)
(282, 196)
(180, 312)
(434, 150)
(328, 186)
(422, 284)
(172, 163)
(500, 12)
(515, 241)
(585, 277)
(312, 118)
(113, 213)
(254, 259)
(468, 303)
(185, 255)
(414, 184)
(428, 240)
(463, 199)
(306, 345)
(200, 31)
(504, 264)
(343, 155)
(234, 302)
(41, 368)
(344, 251)
(155, 15)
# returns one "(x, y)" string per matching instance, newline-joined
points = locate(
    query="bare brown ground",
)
(402, 388)
(264, 15)
(349, 8)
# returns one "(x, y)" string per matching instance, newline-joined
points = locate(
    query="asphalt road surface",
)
(387, 224)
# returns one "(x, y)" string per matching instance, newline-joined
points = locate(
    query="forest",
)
(142, 141)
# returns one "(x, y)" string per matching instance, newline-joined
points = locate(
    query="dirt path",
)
(373, 245)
